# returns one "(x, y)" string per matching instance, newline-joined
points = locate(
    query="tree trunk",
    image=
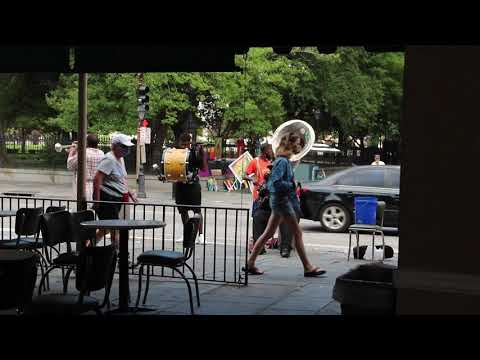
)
(342, 140)
(3, 146)
(24, 138)
(218, 148)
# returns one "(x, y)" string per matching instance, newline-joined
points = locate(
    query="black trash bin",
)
(366, 290)
(18, 274)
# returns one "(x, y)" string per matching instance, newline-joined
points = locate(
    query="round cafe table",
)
(7, 213)
(123, 226)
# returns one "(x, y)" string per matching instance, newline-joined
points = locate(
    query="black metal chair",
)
(368, 229)
(173, 260)
(27, 223)
(94, 271)
(56, 230)
(46, 249)
(79, 236)
(52, 209)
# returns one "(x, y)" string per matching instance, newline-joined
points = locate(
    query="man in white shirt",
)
(377, 161)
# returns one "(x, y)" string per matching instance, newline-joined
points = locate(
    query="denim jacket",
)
(280, 183)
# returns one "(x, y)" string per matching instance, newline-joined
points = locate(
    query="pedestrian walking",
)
(110, 183)
(256, 171)
(284, 204)
(190, 191)
(93, 158)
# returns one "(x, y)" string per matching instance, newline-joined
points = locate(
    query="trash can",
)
(18, 274)
(366, 290)
(365, 210)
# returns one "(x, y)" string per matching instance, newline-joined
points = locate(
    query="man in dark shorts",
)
(190, 192)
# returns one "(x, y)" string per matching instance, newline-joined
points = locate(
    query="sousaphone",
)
(300, 128)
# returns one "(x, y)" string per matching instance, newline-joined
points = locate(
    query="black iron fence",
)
(35, 143)
(38, 151)
(219, 259)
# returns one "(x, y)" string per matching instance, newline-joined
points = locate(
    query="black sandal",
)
(316, 272)
(252, 271)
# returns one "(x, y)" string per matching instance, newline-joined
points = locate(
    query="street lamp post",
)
(142, 109)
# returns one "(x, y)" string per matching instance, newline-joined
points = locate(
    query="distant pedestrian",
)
(377, 161)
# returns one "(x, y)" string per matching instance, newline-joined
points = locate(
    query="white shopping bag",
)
(377, 254)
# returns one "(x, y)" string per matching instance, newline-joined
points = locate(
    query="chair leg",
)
(140, 273)
(196, 283)
(66, 278)
(48, 282)
(373, 246)
(383, 244)
(43, 262)
(189, 289)
(43, 274)
(357, 235)
(147, 286)
(106, 300)
(42, 280)
(349, 244)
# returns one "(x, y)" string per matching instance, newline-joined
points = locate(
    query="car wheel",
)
(335, 217)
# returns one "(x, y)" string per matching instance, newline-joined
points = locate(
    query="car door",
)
(370, 181)
(393, 183)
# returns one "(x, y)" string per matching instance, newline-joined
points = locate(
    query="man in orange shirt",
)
(256, 171)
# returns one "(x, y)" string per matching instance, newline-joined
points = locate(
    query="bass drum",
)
(175, 164)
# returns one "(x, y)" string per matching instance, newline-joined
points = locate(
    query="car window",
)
(394, 179)
(347, 179)
(364, 177)
(372, 177)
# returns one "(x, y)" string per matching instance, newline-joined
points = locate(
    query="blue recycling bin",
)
(366, 210)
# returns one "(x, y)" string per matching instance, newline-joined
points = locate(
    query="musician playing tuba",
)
(190, 191)
(284, 202)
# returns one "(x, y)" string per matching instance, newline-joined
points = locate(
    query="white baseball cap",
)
(122, 139)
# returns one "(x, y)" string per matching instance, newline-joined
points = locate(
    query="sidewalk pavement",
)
(282, 290)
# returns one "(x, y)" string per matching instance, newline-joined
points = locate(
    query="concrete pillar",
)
(439, 270)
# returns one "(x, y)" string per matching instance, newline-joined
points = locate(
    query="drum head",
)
(174, 164)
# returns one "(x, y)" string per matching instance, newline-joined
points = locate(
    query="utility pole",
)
(82, 139)
(142, 109)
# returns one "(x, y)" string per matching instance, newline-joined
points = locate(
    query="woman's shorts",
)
(283, 207)
(108, 211)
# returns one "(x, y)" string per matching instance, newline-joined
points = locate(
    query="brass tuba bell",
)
(298, 127)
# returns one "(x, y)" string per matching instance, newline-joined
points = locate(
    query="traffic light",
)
(143, 99)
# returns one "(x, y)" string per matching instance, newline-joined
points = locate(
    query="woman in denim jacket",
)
(284, 204)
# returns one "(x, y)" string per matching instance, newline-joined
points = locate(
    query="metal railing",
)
(219, 259)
